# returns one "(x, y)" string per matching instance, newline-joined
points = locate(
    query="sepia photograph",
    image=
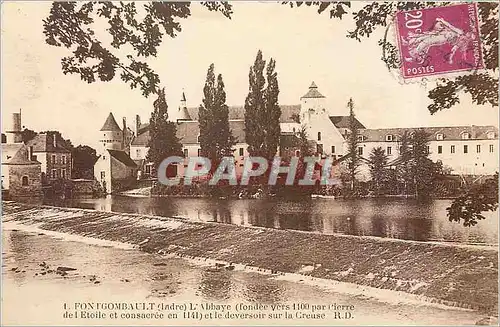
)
(248, 163)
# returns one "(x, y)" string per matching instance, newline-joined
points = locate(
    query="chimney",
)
(137, 125)
(124, 131)
(54, 140)
(30, 153)
(14, 134)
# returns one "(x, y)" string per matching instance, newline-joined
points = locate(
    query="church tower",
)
(112, 135)
(182, 113)
(312, 103)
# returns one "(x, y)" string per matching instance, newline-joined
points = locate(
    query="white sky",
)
(307, 47)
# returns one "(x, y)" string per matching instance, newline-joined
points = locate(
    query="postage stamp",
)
(439, 40)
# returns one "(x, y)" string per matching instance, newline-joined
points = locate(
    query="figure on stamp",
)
(441, 33)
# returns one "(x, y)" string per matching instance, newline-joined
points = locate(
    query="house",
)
(114, 169)
(21, 173)
(54, 155)
(465, 150)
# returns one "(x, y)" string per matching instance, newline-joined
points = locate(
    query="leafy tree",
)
(84, 158)
(295, 118)
(28, 135)
(482, 87)
(354, 160)
(477, 199)
(216, 139)
(424, 171)
(138, 28)
(262, 112)
(305, 147)
(163, 141)
(378, 168)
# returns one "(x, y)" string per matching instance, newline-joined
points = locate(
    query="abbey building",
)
(463, 150)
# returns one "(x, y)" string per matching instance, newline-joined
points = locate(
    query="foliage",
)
(28, 135)
(354, 160)
(216, 139)
(482, 87)
(295, 118)
(262, 112)
(305, 147)
(163, 141)
(479, 198)
(378, 168)
(136, 28)
(84, 158)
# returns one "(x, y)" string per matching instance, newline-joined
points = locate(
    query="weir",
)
(367, 262)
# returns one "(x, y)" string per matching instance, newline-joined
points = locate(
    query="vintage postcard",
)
(249, 163)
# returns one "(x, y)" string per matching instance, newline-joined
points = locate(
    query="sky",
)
(306, 46)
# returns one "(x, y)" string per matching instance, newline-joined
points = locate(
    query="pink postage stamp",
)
(439, 40)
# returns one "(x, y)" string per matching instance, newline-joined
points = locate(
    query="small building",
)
(21, 173)
(55, 157)
(114, 169)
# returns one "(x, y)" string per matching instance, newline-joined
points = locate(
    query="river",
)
(390, 218)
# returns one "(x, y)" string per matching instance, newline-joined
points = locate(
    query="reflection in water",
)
(270, 292)
(393, 218)
(215, 284)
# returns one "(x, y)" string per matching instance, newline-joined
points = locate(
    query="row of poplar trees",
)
(262, 114)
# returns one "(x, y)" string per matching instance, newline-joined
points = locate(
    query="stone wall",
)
(34, 186)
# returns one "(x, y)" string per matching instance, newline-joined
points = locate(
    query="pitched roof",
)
(313, 92)
(450, 133)
(16, 154)
(343, 122)
(110, 124)
(238, 112)
(123, 157)
(44, 142)
(188, 131)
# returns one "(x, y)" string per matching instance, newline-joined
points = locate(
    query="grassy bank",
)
(456, 275)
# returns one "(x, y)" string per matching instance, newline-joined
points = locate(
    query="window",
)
(478, 148)
(491, 147)
(439, 137)
(440, 149)
(319, 136)
(103, 174)
(198, 138)
(293, 129)
(24, 180)
(360, 150)
(466, 149)
(333, 148)
(452, 149)
(297, 153)
(388, 138)
(389, 150)
(63, 159)
(428, 149)
(242, 151)
(361, 138)
(138, 152)
(491, 135)
(63, 173)
(53, 158)
(186, 153)
(199, 152)
(53, 173)
(465, 136)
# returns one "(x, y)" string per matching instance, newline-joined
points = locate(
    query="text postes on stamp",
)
(439, 40)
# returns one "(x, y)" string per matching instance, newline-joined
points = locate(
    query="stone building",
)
(114, 169)
(52, 152)
(21, 173)
(465, 150)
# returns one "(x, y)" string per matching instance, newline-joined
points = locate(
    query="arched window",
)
(319, 136)
(198, 138)
(439, 136)
(24, 181)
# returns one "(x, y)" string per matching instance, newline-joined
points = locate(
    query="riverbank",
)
(455, 275)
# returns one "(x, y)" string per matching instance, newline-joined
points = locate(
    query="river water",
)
(390, 218)
(33, 294)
